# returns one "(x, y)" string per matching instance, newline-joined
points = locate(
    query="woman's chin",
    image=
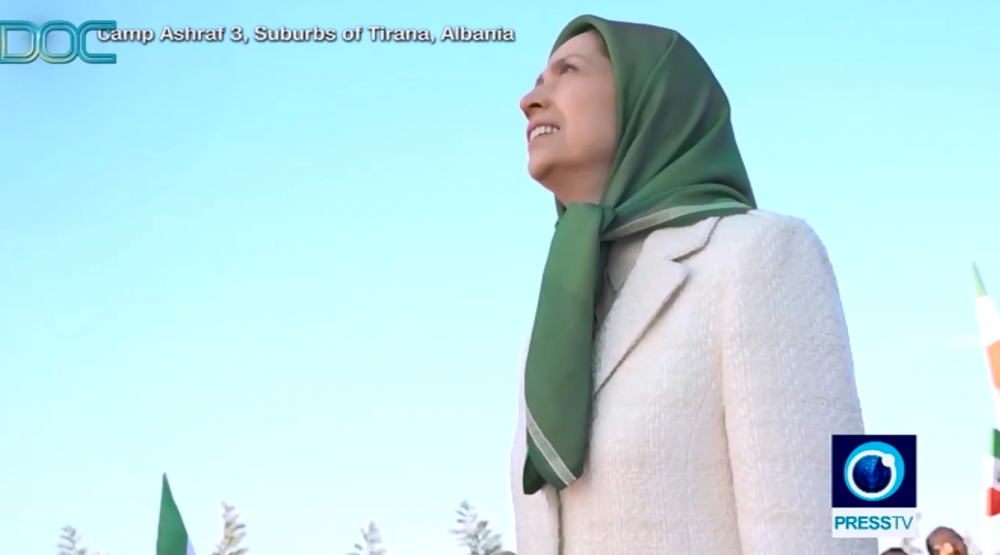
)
(539, 168)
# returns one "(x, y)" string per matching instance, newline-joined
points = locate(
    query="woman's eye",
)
(566, 67)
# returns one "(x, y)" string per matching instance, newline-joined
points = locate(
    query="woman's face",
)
(573, 121)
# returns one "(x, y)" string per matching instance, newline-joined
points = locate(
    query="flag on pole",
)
(993, 477)
(172, 538)
(989, 329)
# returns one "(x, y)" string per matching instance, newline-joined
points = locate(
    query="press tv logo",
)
(874, 486)
(38, 42)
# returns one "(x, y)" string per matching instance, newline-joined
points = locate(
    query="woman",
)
(689, 358)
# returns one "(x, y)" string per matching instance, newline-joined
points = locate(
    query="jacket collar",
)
(657, 275)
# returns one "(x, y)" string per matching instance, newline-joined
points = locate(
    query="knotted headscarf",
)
(676, 163)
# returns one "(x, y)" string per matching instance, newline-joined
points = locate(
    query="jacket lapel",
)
(658, 274)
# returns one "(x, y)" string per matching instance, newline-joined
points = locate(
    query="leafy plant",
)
(233, 533)
(371, 542)
(70, 544)
(474, 534)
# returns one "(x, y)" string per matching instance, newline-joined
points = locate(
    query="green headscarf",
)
(677, 163)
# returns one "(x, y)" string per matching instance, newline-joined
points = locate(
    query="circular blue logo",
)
(874, 471)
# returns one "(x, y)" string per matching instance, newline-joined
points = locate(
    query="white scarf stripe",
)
(549, 452)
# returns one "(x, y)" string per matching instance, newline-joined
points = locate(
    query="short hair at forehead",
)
(602, 47)
(942, 532)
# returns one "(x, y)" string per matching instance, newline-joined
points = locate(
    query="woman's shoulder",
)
(762, 222)
(765, 242)
(760, 229)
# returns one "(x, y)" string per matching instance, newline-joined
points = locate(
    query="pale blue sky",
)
(299, 278)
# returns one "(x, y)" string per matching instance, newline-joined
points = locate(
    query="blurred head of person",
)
(895, 551)
(945, 541)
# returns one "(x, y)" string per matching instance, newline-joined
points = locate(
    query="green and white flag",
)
(993, 477)
(172, 538)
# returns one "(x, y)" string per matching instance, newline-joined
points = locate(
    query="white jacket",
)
(722, 369)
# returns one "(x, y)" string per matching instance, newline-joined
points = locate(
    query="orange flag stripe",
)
(989, 329)
(993, 356)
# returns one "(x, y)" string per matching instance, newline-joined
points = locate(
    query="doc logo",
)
(874, 490)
